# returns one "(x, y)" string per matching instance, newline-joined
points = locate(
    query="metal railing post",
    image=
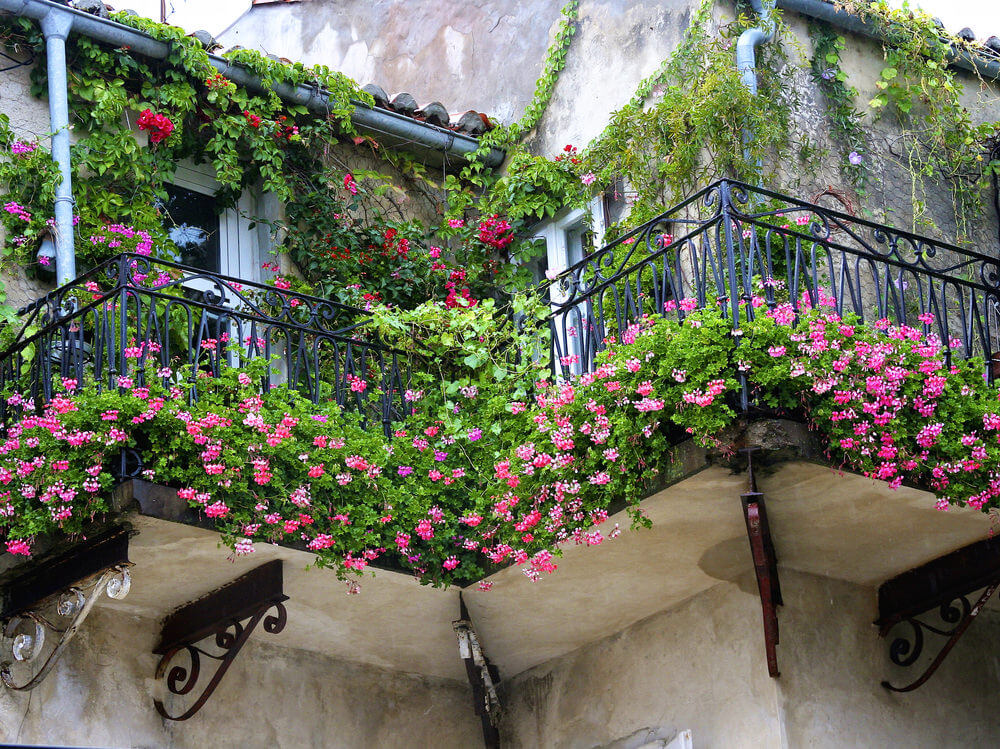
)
(733, 279)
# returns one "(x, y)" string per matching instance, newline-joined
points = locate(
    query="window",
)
(218, 242)
(570, 237)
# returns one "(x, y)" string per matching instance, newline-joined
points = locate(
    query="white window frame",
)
(240, 254)
(555, 233)
(560, 255)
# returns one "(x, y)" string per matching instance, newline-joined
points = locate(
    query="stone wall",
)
(101, 694)
(701, 666)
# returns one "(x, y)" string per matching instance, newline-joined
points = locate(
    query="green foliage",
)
(251, 138)
(919, 89)
(845, 120)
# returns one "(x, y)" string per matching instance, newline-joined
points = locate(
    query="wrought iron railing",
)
(731, 242)
(132, 311)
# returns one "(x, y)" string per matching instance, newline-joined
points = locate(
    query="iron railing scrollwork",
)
(731, 242)
(134, 310)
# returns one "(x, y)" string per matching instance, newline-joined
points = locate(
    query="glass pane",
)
(579, 243)
(193, 224)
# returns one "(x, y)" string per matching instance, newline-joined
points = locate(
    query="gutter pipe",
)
(746, 55)
(823, 11)
(58, 20)
(56, 27)
(746, 46)
(315, 99)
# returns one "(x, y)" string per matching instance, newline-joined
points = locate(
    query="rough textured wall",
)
(462, 54)
(701, 666)
(29, 117)
(101, 695)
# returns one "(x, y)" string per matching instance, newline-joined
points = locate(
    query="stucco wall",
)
(487, 55)
(701, 666)
(100, 694)
(29, 118)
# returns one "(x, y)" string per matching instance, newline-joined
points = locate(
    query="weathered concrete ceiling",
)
(823, 522)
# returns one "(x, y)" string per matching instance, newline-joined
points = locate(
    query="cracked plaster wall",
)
(101, 692)
(487, 55)
(700, 666)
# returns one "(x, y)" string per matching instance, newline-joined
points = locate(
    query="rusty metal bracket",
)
(946, 584)
(483, 676)
(229, 615)
(765, 563)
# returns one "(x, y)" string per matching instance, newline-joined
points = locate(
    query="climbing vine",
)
(919, 90)
(845, 120)
(688, 122)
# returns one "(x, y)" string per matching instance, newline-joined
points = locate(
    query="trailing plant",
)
(478, 476)
(919, 89)
(845, 120)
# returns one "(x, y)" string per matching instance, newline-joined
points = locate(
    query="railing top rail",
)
(734, 199)
(845, 218)
(117, 262)
(51, 311)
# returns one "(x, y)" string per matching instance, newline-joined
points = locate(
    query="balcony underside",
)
(823, 522)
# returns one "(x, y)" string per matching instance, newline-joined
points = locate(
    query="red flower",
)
(349, 184)
(158, 125)
(252, 119)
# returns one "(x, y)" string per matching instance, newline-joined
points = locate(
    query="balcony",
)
(133, 311)
(746, 249)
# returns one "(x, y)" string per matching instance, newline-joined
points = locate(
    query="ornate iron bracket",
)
(904, 652)
(945, 584)
(483, 676)
(765, 563)
(56, 596)
(229, 615)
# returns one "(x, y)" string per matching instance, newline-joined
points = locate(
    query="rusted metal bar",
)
(765, 563)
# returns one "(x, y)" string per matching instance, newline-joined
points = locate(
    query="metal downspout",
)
(746, 55)
(56, 27)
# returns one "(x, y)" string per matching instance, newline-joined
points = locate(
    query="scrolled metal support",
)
(24, 634)
(182, 680)
(905, 651)
(228, 616)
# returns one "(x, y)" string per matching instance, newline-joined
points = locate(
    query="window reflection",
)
(192, 224)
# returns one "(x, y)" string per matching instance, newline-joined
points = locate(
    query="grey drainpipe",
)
(56, 27)
(746, 54)
(746, 46)
(57, 21)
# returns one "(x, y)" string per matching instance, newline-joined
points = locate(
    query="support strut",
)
(229, 615)
(483, 676)
(944, 585)
(765, 563)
